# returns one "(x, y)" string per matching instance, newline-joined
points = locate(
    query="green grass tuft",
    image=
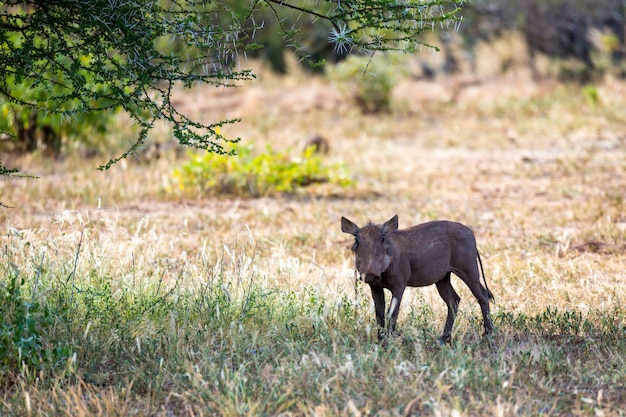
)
(256, 174)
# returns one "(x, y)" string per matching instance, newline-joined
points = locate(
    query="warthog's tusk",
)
(394, 304)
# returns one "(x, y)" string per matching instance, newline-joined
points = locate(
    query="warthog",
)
(416, 257)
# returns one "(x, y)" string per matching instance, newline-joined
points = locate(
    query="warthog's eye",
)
(355, 245)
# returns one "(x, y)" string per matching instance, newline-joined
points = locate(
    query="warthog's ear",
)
(391, 224)
(348, 227)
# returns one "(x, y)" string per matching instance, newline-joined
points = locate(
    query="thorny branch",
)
(69, 58)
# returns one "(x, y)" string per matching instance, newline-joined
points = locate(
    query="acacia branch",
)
(69, 59)
(301, 9)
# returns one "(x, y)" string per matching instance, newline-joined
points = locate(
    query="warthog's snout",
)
(370, 269)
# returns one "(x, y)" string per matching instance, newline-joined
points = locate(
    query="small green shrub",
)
(369, 81)
(250, 174)
(592, 95)
(23, 328)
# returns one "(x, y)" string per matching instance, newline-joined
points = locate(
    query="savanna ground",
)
(148, 301)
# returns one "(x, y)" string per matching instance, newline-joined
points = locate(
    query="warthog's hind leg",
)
(472, 278)
(446, 291)
(482, 295)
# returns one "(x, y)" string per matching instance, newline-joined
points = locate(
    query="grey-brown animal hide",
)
(392, 259)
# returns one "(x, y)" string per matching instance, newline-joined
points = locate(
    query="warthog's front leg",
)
(394, 309)
(379, 305)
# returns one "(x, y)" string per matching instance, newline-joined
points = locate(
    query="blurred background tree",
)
(67, 66)
(564, 30)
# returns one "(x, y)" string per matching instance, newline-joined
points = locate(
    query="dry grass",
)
(253, 310)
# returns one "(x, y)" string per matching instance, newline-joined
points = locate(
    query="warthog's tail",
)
(482, 271)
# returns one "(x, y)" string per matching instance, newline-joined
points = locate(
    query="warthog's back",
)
(433, 249)
(439, 228)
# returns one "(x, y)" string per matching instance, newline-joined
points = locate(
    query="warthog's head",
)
(370, 247)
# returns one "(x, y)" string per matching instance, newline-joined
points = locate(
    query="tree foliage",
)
(76, 61)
